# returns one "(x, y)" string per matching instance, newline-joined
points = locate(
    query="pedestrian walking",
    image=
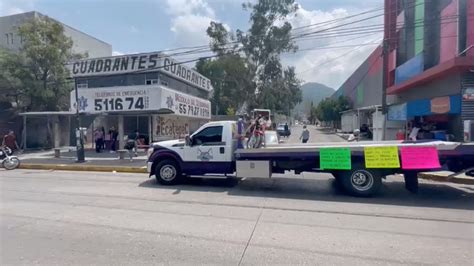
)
(287, 130)
(99, 139)
(136, 138)
(304, 135)
(130, 146)
(9, 140)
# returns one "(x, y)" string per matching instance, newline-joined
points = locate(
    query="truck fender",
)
(164, 154)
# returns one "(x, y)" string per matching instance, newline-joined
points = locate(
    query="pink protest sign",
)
(419, 158)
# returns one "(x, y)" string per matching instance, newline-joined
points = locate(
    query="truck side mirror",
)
(188, 140)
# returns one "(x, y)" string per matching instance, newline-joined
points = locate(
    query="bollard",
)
(122, 153)
(57, 153)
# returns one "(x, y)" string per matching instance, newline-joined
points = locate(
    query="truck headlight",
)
(149, 152)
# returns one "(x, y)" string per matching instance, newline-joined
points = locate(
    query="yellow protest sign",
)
(381, 157)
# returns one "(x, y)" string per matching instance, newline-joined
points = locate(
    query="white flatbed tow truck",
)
(358, 166)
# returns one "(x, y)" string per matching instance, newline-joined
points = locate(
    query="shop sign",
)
(397, 112)
(185, 105)
(140, 98)
(115, 99)
(440, 105)
(139, 63)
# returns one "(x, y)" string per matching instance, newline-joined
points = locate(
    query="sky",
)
(134, 26)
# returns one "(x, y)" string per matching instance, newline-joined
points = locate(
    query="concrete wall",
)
(364, 86)
(447, 86)
(82, 42)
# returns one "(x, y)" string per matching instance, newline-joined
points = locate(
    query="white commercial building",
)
(148, 92)
(82, 43)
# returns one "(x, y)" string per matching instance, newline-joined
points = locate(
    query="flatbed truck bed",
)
(212, 150)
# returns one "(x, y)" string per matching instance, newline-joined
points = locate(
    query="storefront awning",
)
(423, 107)
(439, 105)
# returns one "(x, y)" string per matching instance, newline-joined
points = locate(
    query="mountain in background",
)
(312, 92)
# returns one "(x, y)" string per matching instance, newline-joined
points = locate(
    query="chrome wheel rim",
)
(168, 172)
(11, 163)
(362, 180)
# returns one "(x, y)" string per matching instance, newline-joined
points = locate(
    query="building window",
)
(164, 83)
(9, 38)
(82, 83)
(151, 78)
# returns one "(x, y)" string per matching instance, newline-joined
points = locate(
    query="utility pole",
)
(385, 51)
(79, 134)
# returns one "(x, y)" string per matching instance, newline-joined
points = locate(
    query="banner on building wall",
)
(409, 69)
(185, 105)
(140, 98)
(116, 99)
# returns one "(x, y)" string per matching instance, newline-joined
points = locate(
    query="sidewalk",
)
(101, 162)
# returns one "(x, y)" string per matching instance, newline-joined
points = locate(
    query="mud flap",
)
(411, 181)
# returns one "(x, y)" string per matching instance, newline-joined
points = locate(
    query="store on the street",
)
(435, 100)
(149, 93)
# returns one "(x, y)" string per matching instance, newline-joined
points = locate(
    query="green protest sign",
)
(335, 158)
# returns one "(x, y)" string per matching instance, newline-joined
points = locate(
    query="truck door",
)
(209, 152)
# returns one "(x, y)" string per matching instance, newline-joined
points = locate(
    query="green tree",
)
(265, 82)
(14, 77)
(230, 79)
(329, 110)
(39, 76)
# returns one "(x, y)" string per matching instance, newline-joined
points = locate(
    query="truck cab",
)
(209, 150)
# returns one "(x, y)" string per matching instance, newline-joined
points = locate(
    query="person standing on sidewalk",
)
(304, 135)
(99, 138)
(113, 140)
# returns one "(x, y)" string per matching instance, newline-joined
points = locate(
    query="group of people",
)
(105, 141)
(255, 132)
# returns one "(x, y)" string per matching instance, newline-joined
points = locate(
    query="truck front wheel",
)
(361, 182)
(167, 172)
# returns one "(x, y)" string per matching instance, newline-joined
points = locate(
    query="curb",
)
(445, 178)
(92, 168)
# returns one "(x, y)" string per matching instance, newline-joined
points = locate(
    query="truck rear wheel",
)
(167, 172)
(361, 182)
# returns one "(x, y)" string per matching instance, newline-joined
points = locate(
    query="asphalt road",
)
(80, 218)
(316, 134)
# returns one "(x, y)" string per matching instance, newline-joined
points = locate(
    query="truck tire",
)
(168, 173)
(360, 182)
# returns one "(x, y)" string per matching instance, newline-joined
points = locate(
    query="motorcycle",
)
(8, 160)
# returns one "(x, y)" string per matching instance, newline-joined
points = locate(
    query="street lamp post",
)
(79, 134)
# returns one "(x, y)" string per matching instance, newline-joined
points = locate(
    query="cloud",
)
(189, 21)
(187, 7)
(133, 29)
(11, 7)
(330, 66)
(114, 53)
